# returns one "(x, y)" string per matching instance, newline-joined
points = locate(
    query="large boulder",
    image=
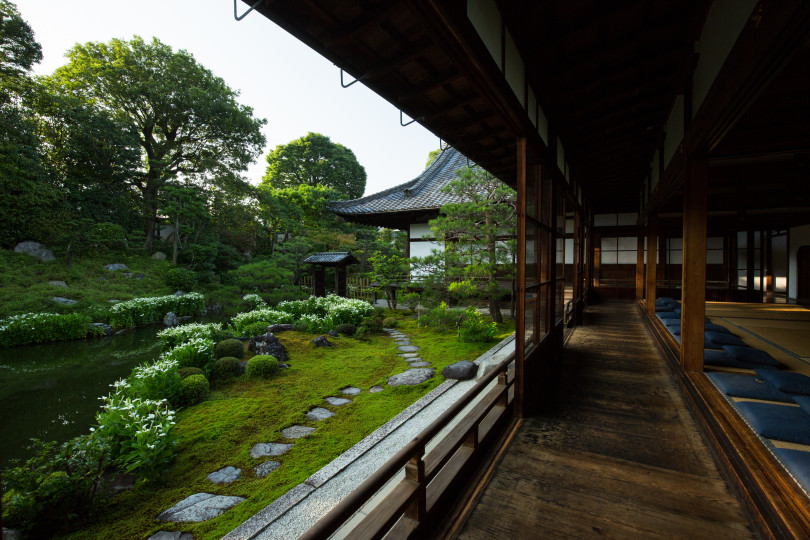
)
(462, 370)
(100, 328)
(268, 344)
(321, 341)
(277, 328)
(35, 249)
(170, 319)
(159, 256)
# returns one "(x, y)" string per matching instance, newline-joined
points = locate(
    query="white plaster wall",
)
(799, 236)
(420, 230)
(423, 249)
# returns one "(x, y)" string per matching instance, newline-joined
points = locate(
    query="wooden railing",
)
(427, 475)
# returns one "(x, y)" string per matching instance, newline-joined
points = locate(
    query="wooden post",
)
(652, 251)
(319, 280)
(640, 267)
(749, 261)
(693, 281)
(340, 280)
(520, 323)
(415, 472)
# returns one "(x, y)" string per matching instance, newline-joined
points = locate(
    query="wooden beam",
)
(520, 315)
(693, 278)
(640, 267)
(652, 251)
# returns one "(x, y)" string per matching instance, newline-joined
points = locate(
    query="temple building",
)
(660, 152)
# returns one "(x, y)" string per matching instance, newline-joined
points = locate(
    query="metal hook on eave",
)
(245, 14)
(409, 123)
(351, 83)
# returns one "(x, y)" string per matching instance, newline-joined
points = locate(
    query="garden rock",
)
(462, 370)
(412, 377)
(159, 256)
(35, 249)
(321, 341)
(407, 348)
(319, 413)
(266, 468)
(64, 301)
(337, 401)
(409, 354)
(179, 293)
(269, 449)
(486, 366)
(332, 333)
(185, 318)
(268, 344)
(296, 432)
(284, 366)
(170, 319)
(375, 389)
(140, 276)
(57, 283)
(225, 475)
(419, 364)
(128, 274)
(351, 390)
(200, 507)
(171, 535)
(106, 328)
(276, 328)
(11, 534)
(116, 266)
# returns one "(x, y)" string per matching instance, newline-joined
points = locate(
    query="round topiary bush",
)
(390, 322)
(193, 389)
(346, 329)
(261, 366)
(225, 368)
(229, 347)
(255, 329)
(188, 371)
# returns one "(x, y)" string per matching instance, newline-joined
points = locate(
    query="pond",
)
(50, 391)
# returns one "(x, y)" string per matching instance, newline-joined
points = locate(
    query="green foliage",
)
(254, 301)
(197, 352)
(346, 329)
(261, 275)
(169, 100)
(442, 317)
(176, 335)
(19, 51)
(286, 293)
(390, 322)
(58, 488)
(188, 371)
(229, 347)
(318, 314)
(41, 327)
(225, 368)
(155, 381)
(143, 311)
(255, 329)
(432, 157)
(300, 326)
(194, 389)
(475, 327)
(388, 271)
(181, 278)
(315, 160)
(261, 366)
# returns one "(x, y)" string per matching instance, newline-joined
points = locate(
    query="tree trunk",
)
(176, 241)
(150, 208)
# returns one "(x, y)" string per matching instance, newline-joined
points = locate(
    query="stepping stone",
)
(351, 390)
(409, 354)
(412, 377)
(200, 507)
(407, 348)
(414, 359)
(269, 449)
(169, 535)
(337, 401)
(296, 432)
(319, 413)
(226, 475)
(376, 388)
(266, 468)
(420, 364)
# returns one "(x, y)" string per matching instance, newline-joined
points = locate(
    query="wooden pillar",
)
(340, 280)
(520, 325)
(652, 252)
(319, 280)
(640, 267)
(693, 281)
(749, 261)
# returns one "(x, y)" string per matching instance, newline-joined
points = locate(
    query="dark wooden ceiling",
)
(606, 74)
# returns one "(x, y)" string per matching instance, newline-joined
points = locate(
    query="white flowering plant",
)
(177, 335)
(40, 327)
(271, 316)
(319, 313)
(143, 311)
(196, 352)
(254, 301)
(156, 380)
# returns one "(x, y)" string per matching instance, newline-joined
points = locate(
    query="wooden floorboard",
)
(621, 457)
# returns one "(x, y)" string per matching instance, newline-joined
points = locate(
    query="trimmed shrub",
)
(188, 371)
(229, 347)
(255, 329)
(181, 278)
(346, 329)
(225, 368)
(193, 389)
(261, 366)
(390, 322)
(40, 327)
(475, 327)
(442, 317)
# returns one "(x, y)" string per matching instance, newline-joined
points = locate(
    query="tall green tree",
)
(189, 122)
(315, 160)
(19, 50)
(476, 234)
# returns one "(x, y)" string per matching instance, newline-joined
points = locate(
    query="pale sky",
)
(282, 79)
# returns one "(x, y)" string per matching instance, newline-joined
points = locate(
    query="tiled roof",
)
(420, 194)
(332, 257)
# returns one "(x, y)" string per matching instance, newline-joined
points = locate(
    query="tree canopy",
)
(188, 121)
(315, 160)
(19, 51)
